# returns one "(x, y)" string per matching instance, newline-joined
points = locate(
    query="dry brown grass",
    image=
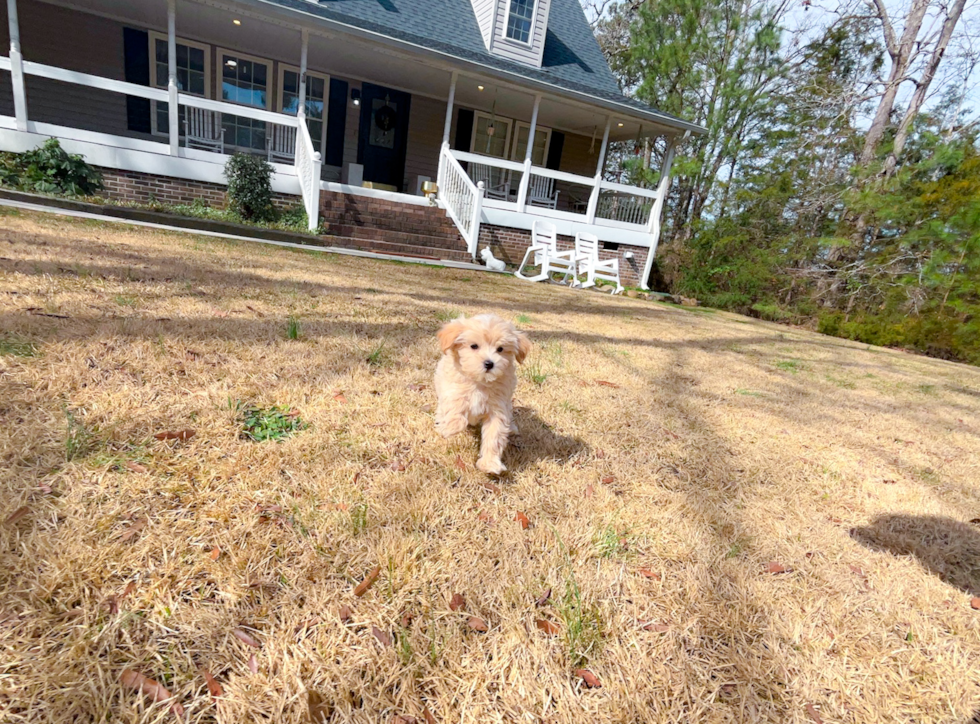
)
(727, 444)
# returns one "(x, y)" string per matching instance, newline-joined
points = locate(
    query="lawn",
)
(718, 519)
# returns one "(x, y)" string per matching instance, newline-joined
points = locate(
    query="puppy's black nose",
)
(488, 365)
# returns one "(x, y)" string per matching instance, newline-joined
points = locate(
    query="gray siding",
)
(425, 123)
(485, 10)
(521, 52)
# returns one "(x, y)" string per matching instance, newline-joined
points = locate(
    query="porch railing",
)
(463, 198)
(308, 172)
(306, 163)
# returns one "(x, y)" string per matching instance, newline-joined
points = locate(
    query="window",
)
(193, 76)
(542, 139)
(317, 88)
(491, 136)
(519, 20)
(245, 81)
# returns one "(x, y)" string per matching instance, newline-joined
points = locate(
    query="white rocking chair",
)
(544, 246)
(541, 192)
(280, 144)
(203, 130)
(491, 190)
(589, 264)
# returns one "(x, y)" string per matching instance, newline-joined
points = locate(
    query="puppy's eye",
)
(499, 350)
(474, 346)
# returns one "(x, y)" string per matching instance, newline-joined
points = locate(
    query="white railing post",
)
(597, 188)
(307, 164)
(172, 107)
(17, 67)
(303, 56)
(475, 230)
(653, 225)
(526, 176)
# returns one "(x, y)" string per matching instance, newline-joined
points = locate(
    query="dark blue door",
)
(383, 135)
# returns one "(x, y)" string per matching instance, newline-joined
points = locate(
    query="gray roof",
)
(572, 59)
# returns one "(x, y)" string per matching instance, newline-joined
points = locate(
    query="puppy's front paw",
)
(448, 428)
(491, 466)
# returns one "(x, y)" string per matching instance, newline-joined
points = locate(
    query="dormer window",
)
(519, 20)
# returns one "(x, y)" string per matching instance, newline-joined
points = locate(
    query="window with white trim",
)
(520, 19)
(542, 140)
(193, 76)
(491, 135)
(317, 95)
(245, 80)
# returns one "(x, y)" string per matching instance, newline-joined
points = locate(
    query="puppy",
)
(492, 262)
(475, 382)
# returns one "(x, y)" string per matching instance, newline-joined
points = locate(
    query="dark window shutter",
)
(464, 130)
(554, 150)
(336, 123)
(136, 54)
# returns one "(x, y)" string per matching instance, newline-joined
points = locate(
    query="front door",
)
(383, 134)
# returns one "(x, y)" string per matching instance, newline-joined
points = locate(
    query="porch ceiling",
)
(347, 56)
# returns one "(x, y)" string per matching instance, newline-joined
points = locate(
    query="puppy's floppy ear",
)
(523, 347)
(448, 334)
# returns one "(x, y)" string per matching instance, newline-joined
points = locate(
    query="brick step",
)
(347, 227)
(402, 237)
(439, 221)
(384, 247)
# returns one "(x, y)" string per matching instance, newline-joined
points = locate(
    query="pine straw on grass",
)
(666, 459)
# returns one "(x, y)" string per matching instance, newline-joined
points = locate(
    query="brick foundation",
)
(509, 245)
(145, 188)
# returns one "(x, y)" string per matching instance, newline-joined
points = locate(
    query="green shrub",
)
(250, 187)
(50, 170)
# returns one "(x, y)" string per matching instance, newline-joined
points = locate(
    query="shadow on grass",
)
(538, 441)
(947, 547)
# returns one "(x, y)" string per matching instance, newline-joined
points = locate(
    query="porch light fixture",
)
(231, 63)
(620, 125)
(237, 22)
(479, 87)
(355, 96)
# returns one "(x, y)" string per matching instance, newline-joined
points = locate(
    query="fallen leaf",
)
(368, 581)
(491, 487)
(590, 679)
(245, 638)
(340, 397)
(604, 383)
(406, 620)
(213, 686)
(975, 604)
(655, 627)
(345, 614)
(813, 714)
(523, 519)
(544, 598)
(652, 575)
(728, 689)
(17, 515)
(600, 454)
(253, 664)
(381, 636)
(398, 466)
(135, 467)
(478, 624)
(416, 387)
(403, 719)
(460, 465)
(132, 530)
(429, 719)
(221, 314)
(856, 570)
(889, 482)
(589, 491)
(774, 568)
(45, 489)
(485, 517)
(182, 435)
(320, 710)
(975, 521)
(609, 480)
(130, 588)
(834, 519)
(134, 680)
(549, 627)
(457, 603)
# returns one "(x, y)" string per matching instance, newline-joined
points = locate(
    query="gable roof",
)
(572, 59)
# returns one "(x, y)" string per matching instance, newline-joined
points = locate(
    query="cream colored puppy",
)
(475, 382)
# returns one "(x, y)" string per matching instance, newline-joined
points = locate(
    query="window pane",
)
(229, 68)
(162, 52)
(162, 75)
(290, 82)
(197, 84)
(197, 59)
(314, 88)
(181, 55)
(314, 108)
(245, 71)
(259, 74)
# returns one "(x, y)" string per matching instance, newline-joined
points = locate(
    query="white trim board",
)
(566, 226)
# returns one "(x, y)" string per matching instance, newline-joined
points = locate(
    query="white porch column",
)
(172, 108)
(440, 173)
(303, 56)
(17, 67)
(526, 176)
(594, 196)
(653, 226)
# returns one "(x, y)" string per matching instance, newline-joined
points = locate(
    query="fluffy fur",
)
(491, 261)
(475, 382)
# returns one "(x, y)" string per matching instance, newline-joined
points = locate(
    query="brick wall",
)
(145, 188)
(509, 245)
